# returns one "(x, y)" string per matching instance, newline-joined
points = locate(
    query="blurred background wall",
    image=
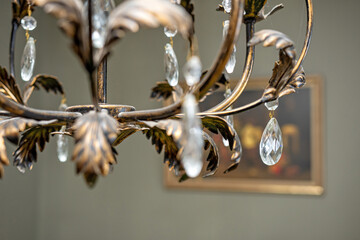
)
(51, 202)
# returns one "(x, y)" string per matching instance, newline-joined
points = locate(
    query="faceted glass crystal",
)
(230, 65)
(100, 13)
(171, 65)
(192, 70)
(192, 141)
(62, 146)
(28, 23)
(273, 105)
(227, 5)
(175, 1)
(169, 32)
(28, 60)
(271, 144)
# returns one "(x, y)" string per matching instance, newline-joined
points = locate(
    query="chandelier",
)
(179, 130)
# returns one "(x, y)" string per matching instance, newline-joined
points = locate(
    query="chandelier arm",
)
(26, 112)
(14, 27)
(310, 23)
(236, 110)
(210, 78)
(250, 55)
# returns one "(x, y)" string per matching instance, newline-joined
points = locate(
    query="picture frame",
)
(300, 169)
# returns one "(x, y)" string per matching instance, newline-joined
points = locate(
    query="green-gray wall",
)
(51, 202)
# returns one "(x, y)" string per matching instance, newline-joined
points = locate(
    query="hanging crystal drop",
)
(171, 66)
(273, 105)
(21, 168)
(100, 13)
(28, 23)
(192, 141)
(229, 118)
(230, 65)
(62, 146)
(227, 5)
(192, 70)
(170, 32)
(271, 144)
(175, 1)
(28, 60)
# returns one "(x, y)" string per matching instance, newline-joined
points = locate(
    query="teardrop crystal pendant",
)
(226, 5)
(28, 23)
(192, 70)
(28, 60)
(62, 146)
(100, 13)
(230, 65)
(171, 66)
(193, 142)
(271, 144)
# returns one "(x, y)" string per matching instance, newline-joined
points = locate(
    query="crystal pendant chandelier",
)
(179, 130)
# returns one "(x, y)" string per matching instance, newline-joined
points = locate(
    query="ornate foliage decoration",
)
(9, 87)
(96, 133)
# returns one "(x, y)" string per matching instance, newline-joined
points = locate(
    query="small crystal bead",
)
(28, 23)
(273, 105)
(175, 1)
(227, 5)
(271, 144)
(230, 65)
(171, 66)
(28, 60)
(192, 70)
(169, 32)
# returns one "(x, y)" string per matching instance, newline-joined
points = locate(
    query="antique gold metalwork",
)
(122, 121)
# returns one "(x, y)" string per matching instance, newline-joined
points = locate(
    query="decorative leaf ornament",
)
(94, 135)
(9, 87)
(10, 129)
(47, 82)
(279, 83)
(252, 8)
(162, 91)
(25, 155)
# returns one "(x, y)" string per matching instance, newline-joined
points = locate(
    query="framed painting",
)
(300, 169)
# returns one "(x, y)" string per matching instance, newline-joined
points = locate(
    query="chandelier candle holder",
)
(179, 130)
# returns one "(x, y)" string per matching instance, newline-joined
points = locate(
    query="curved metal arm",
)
(249, 63)
(27, 112)
(14, 27)
(210, 78)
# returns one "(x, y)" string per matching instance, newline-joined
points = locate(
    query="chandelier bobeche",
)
(179, 129)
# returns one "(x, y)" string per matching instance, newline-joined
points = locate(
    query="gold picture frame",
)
(302, 172)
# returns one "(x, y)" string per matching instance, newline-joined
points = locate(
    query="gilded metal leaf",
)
(9, 87)
(130, 15)
(222, 81)
(252, 8)
(297, 81)
(10, 129)
(274, 38)
(166, 135)
(218, 125)
(237, 152)
(47, 82)
(94, 135)
(213, 156)
(162, 91)
(124, 133)
(25, 155)
(20, 9)
(262, 16)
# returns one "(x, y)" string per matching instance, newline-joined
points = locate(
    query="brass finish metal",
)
(96, 132)
(113, 110)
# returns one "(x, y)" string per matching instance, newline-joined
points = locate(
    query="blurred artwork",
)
(299, 171)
